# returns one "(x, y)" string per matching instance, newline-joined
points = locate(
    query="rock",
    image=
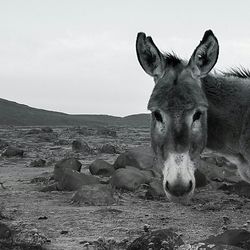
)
(108, 149)
(159, 239)
(13, 151)
(62, 142)
(234, 237)
(219, 174)
(240, 188)
(38, 163)
(48, 137)
(73, 180)
(34, 131)
(106, 132)
(155, 190)
(95, 195)
(46, 130)
(140, 157)
(85, 131)
(128, 178)
(200, 179)
(81, 146)
(49, 188)
(3, 144)
(5, 232)
(207, 246)
(68, 163)
(101, 167)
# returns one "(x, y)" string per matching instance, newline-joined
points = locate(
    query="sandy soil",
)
(52, 217)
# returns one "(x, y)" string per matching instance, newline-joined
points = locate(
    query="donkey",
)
(193, 109)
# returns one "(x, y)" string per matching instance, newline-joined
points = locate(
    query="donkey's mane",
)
(239, 72)
(172, 59)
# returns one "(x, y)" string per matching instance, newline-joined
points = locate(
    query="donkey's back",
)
(228, 120)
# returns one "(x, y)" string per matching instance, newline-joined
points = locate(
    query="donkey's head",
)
(179, 110)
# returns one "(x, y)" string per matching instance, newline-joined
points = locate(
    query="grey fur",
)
(186, 89)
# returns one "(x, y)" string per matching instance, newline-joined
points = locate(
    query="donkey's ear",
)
(205, 55)
(150, 58)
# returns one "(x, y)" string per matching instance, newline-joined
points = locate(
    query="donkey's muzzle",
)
(179, 189)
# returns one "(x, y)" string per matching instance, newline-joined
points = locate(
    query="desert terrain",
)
(51, 220)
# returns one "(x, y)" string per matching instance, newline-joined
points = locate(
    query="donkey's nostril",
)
(190, 186)
(178, 189)
(166, 186)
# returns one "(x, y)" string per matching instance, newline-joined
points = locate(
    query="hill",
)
(12, 113)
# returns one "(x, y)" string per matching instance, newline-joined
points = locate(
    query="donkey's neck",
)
(228, 103)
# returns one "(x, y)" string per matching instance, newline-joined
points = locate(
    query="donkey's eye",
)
(157, 116)
(197, 116)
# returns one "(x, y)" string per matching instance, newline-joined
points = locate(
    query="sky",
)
(78, 56)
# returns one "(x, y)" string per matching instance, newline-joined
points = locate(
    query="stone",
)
(34, 131)
(40, 163)
(108, 149)
(68, 163)
(106, 132)
(101, 167)
(13, 151)
(46, 130)
(48, 137)
(157, 240)
(140, 157)
(128, 178)
(73, 180)
(155, 190)
(207, 246)
(5, 232)
(240, 188)
(3, 144)
(200, 179)
(219, 174)
(81, 146)
(95, 195)
(85, 131)
(233, 237)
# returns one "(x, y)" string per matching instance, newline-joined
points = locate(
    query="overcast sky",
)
(78, 56)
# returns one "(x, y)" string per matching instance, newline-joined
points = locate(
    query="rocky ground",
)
(40, 210)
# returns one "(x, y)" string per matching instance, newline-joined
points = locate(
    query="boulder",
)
(157, 240)
(240, 188)
(234, 237)
(106, 132)
(101, 167)
(72, 180)
(207, 246)
(5, 232)
(108, 149)
(95, 195)
(12, 151)
(200, 179)
(68, 163)
(48, 137)
(85, 131)
(3, 144)
(38, 163)
(219, 174)
(140, 157)
(46, 130)
(81, 146)
(129, 178)
(34, 131)
(155, 190)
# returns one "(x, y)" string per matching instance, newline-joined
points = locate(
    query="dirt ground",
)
(66, 226)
